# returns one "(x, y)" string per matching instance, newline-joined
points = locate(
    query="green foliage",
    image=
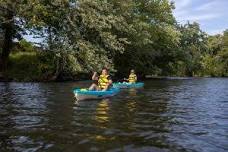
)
(23, 66)
(26, 46)
(193, 46)
(215, 63)
(81, 36)
(152, 37)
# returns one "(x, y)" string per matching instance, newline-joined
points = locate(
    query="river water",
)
(166, 115)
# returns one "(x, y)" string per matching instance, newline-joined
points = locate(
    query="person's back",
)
(132, 77)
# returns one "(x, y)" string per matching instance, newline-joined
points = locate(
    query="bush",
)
(31, 66)
(26, 46)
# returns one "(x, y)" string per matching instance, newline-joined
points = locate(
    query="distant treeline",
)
(81, 36)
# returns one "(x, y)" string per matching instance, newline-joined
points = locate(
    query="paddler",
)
(132, 77)
(102, 82)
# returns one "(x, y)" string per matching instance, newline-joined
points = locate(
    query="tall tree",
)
(215, 62)
(12, 21)
(193, 45)
(82, 30)
(152, 35)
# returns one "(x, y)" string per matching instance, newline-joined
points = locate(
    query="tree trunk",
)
(7, 42)
(60, 63)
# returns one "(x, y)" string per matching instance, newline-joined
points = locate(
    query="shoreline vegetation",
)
(82, 36)
(86, 77)
(78, 80)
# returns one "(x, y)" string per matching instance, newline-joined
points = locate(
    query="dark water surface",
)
(166, 115)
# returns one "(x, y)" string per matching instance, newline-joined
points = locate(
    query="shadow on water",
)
(165, 115)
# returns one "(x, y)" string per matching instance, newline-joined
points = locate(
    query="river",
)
(182, 115)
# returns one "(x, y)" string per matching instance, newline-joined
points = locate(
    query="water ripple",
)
(186, 115)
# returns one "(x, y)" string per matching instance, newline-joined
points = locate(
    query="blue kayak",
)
(125, 85)
(85, 94)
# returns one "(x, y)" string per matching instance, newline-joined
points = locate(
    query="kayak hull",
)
(126, 85)
(92, 95)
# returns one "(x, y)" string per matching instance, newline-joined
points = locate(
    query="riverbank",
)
(85, 77)
(43, 66)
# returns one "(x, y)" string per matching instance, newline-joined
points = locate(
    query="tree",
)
(215, 62)
(193, 46)
(82, 31)
(12, 21)
(223, 55)
(85, 35)
(152, 35)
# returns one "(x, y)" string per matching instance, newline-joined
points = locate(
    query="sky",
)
(212, 15)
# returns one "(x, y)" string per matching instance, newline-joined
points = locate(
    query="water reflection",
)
(167, 115)
(6, 109)
(131, 105)
(23, 106)
(102, 115)
(132, 92)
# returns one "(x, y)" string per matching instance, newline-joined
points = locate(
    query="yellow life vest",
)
(132, 78)
(103, 81)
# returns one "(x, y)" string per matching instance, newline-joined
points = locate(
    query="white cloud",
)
(208, 6)
(211, 14)
(179, 14)
(203, 17)
(181, 4)
(216, 31)
(184, 11)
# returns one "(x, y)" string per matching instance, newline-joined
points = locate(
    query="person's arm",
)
(110, 82)
(95, 77)
(136, 78)
(126, 79)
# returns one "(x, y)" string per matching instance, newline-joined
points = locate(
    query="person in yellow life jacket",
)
(132, 77)
(102, 82)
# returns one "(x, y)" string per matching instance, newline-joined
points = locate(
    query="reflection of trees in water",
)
(6, 112)
(142, 118)
(22, 107)
(139, 117)
(136, 117)
(60, 114)
(160, 96)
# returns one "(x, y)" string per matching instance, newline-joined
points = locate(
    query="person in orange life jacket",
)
(102, 82)
(132, 77)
